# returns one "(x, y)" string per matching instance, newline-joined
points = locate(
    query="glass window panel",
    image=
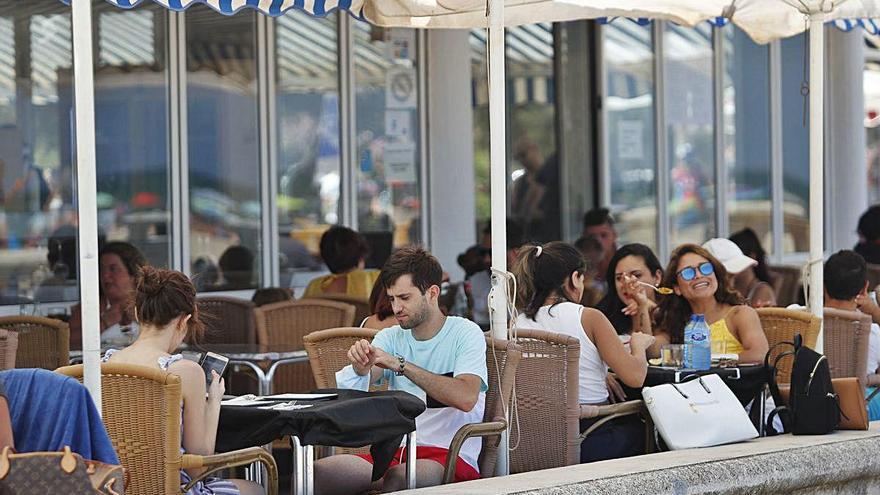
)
(307, 106)
(387, 137)
(533, 180)
(534, 163)
(35, 157)
(480, 103)
(746, 104)
(628, 55)
(224, 162)
(690, 128)
(131, 109)
(872, 126)
(795, 149)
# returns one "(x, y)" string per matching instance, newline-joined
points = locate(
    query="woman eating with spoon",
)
(701, 286)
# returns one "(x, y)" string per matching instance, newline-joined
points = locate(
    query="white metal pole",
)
(87, 209)
(498, 177)
(817, 154)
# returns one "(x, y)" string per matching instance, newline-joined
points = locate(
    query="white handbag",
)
(698, 413)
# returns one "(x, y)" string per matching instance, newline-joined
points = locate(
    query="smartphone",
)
(216, 362)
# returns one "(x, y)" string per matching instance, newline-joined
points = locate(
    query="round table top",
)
(253, 352)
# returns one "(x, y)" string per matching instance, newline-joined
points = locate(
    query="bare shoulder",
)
(187, 370)
(593, 315)
(743, 314)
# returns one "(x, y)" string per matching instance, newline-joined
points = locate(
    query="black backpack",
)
(813, 408)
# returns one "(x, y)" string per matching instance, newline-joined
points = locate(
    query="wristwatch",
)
(401, 364)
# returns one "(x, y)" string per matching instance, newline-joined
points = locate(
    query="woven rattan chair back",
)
(141, 409)
(8, 348)
(228, 320)
(845, 337)
(502, 360)
(42, 342)
(546, 427)
(361, 304)
(287, 323)
(781, 325)
(786, 283)
(328, 351)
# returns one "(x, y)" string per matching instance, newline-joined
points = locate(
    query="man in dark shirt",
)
(869, 235)
(5, 420)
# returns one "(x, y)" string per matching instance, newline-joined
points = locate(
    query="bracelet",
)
(401, 364)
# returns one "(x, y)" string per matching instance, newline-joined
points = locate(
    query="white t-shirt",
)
(566, 318)
(874, 349)
(458, 348)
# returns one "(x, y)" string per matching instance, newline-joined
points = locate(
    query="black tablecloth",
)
(353, 419)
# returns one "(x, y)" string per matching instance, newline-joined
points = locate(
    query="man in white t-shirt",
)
(440, 359)
(846, 288)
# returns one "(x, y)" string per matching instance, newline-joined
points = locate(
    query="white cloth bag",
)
(698, 413)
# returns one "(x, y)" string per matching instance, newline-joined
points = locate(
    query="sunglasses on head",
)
(690, 272)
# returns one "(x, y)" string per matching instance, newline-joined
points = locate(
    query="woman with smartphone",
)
(165, 308)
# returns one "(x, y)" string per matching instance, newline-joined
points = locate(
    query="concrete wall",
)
(450, 124)
(843, 462)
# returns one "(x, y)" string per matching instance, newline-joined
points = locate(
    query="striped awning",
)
(273, 8)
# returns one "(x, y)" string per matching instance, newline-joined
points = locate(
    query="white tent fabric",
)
(763, 20)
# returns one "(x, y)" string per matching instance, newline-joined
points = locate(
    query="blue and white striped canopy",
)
(273, 8)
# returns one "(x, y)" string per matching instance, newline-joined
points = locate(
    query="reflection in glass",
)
(746, 105)
(224, 179)
(533, 183)
(387, 137)
(872, 127)
(795, 148)
(307, 102)
(132, 128)
(690, 127)
(37, 219)
(627, 51)
(534, 194)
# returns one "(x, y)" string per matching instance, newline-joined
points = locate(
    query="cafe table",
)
(350, 418)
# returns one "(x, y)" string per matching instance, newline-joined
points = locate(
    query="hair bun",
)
(151, 281)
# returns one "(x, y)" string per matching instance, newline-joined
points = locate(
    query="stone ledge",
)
(843, 462)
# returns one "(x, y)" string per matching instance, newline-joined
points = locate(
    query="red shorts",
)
(463, 470)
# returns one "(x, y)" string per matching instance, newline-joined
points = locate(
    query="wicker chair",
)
(547, 403)
(786, 283)
(287, 323)
(781, 325)
(8, 348)
(228, 320)
(328, 353)
(846, 339)
(361, 304)
(42, 342)
(148, 444)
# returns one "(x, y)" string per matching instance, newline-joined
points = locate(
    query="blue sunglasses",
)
(689, 273)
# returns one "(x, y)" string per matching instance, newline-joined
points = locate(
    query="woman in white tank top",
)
(549, 278)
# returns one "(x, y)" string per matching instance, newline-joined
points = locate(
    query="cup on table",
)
(719, 347)
(671, 355)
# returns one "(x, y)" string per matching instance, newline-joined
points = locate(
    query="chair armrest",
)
(872, 380)
(217, 462)
(623, 408)
(484, 429)
(609, 412)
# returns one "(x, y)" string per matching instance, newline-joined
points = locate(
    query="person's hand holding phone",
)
(217, 388)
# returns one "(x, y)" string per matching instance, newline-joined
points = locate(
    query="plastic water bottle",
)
(698, 350)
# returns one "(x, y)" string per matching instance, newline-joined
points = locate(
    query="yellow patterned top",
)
(719, 332)
(359, 283)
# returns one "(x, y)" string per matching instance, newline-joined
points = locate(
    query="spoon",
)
(660, 290)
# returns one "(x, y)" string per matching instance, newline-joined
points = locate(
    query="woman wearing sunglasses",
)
(701, 286)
